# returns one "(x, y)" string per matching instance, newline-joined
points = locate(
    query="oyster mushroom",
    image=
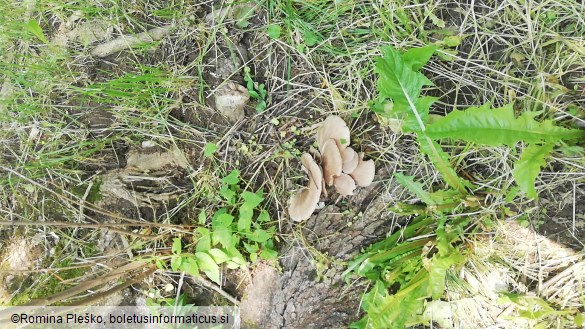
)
(364, 173)
(304, 202)
(344, 184)
(331, 160)
(350, 160)
(333, 127)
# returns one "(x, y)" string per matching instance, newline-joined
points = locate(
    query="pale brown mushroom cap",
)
(331, 160)
(344, 184)
(333, 127)
(313, 169)
(304, 202)
(350, 160)
(364, 173)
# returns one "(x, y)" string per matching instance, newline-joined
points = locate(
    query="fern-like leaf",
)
(399, 82)
(496, 127)
(528, 167)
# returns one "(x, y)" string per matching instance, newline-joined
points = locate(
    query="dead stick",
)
(128, 41)
(95, 226)
(84, 286)
(96, 297)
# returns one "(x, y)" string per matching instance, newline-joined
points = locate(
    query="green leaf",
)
(33, 27)
(222, 221)
(252, 199)
(218, 255)
(176, 247)
(223, 236)
(190, 266)
(202, 219)
(176, 262)
(209, 150)
(274, 31)
(414, 187)
(441, 161)
(251, 248)
(264, 216)
(416, 58)
(245, 218)
(398, 81)
(438, 272)
(259, 235)
(452, 41)
(232, 178)
(268, 254)
(208, 266)
(204, 242)
(528, 167)
(310, 38)
(228, 194)
(495, 127)
(242, 15)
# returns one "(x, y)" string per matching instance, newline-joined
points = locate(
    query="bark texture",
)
(304, 298)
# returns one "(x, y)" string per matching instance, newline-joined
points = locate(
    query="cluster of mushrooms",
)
(340, 166)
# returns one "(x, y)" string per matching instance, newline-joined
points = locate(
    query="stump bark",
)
(310, 292)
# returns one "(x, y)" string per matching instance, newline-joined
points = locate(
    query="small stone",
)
(230, 100)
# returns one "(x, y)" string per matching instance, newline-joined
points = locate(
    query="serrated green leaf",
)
(416, 58)
(496, 127)
(190, 266)
(414, 187)
(438, 272)
(252, 199)
(233, 178)
(399, 82)
(176, 247)
(208, 266)
(527, 168)
(222, 221)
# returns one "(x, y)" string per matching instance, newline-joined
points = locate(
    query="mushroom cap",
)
(304, 202)
(333, 127)
(315, 174)
(331, 160)
(364, 173)
(350, 160)
(344, 184)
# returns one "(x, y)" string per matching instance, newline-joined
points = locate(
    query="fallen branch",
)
(128, 41)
